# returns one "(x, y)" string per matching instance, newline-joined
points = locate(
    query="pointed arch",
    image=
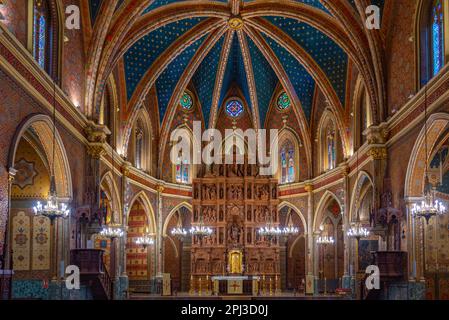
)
(289, 145)
(140, 148)
(362, 114)
(42, 127)
(109, 185)
(363, 182)
(145, 201)
(45, 33)
(322, 205)
(296, 210)
(328, 142)
(431, 50)
(414, 178)
(184, 204)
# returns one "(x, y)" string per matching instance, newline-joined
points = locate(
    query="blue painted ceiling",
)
(329, 56)
(235, 73)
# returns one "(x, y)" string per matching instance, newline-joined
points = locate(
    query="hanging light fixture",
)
(112, 230)
(290, 229)
(357, 230)
(200, 230)
(324, 239)
(270, 230)
(179, 231)
(52, 209)
(429, 206)
(146, 240)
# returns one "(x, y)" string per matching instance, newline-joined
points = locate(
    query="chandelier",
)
(357, 231)
(290, 229)
(145, 241)
(52, 209)
(429, 206)
(179, 231)
(112, 231)
(325, 240)
(201, 231)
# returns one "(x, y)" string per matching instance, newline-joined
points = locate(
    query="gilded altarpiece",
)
(235, 201)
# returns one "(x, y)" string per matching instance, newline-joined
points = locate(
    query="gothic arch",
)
(42, 125)
(53, 63)
(151, 219)
(327, 119)
(184, 204)
(422, 44)
(193, 143)
(288, 134)
(363, 179)
(108, 183)
(414, 179)
(322, 205)
(360, 103)
(296, 210)
(142, 122)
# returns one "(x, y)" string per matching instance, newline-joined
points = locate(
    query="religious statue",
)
(234, 233)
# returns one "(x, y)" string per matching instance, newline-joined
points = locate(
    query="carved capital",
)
(160, 188)
(309, 187)
(377, 134)
(126, 168)
(96, 133)
(96, 150)
(378, 153)
(345, 170)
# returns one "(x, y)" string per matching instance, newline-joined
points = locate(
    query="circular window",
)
(186, 101)
(234, 108)
(283, 102)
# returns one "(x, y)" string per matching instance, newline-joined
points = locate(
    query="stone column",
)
(159, 240)
(310, 276)
(411, 246)
(7, 243)
(346, 280)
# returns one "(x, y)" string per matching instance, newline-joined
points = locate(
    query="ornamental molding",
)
(378, 153)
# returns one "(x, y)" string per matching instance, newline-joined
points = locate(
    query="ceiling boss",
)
(235, 23)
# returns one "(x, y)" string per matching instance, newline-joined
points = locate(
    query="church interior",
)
(93, 90)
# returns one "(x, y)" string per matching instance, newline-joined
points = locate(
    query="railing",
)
(106, 282)
(92, 268)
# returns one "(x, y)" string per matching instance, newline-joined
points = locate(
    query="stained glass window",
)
(287, 163)
(186, 101)
(40, 32)
(437, 36)
(234, 108)
(105, 208)
(139, 147)
(182, 172)
(331, 150)
(283, 102)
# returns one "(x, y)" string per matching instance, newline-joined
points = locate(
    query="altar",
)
(235, 285)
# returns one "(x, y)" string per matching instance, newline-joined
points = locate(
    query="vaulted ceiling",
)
(255, 45)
